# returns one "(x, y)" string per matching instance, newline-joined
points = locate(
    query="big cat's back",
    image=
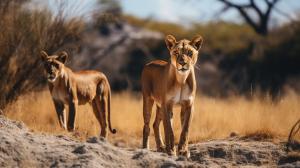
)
(88, 72)
(157, 63)
(152, 75)
(154, 68)
(85, 76)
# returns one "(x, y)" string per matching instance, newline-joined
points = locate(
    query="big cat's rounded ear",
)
(62, 57)
(43, 55)
(197, 42)
(170, 41)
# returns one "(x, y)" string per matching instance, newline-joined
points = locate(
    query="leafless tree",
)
(261, 25)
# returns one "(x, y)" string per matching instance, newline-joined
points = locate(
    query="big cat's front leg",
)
(168, 127)
(61, 113)
(73, 105)
(184, 136)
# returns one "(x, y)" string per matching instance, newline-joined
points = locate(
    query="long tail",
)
(108, 110)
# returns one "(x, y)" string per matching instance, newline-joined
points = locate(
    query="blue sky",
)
(178, 11)
(197, 10)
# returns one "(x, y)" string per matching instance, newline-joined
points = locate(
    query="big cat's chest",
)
(59, 93)
(178, 95)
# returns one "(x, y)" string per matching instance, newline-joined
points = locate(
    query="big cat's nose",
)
(181, 61)
(51, 76)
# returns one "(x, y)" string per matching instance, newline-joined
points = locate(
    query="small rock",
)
(181, 158)
(55, 164)
(289, 158)
(169, 164)
(92, 140)
(233, 134)
(217, 152)
(139, 155)
(120, 144)
(80, 150)
(164, 154)
(102, 139)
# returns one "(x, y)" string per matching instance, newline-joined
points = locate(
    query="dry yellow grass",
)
(213, 118)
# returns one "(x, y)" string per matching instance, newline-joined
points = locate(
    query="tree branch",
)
(270, 6)
(255, 7)
(260, 26)
(241, 10)
(231, 4)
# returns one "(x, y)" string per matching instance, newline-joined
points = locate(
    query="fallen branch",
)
(292, 144)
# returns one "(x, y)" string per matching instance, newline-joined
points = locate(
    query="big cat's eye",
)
(190, 53)
(46, 65)
(176, 53)
(56, 66)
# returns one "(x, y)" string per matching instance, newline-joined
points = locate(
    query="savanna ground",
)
(214, 118)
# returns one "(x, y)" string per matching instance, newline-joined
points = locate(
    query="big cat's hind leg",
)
(147, 110)
(159, 143)
(99, 111)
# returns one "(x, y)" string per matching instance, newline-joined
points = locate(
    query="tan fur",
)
(77, 88)
(167, 84)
